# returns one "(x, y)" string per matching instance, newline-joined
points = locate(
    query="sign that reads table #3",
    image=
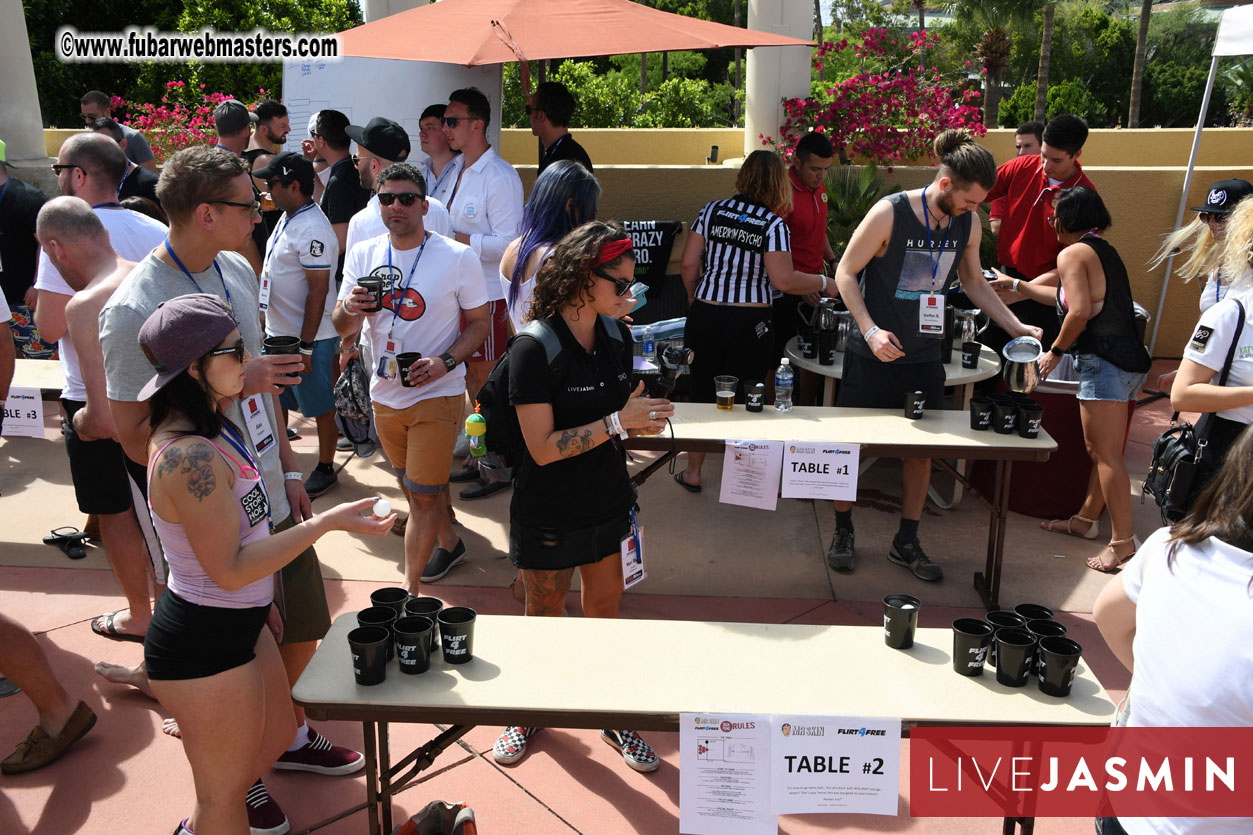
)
(23, 413)
(820, 471)
(835, 764)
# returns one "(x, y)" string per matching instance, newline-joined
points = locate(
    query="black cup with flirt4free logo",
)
(368, 645)
(900, 620)
(456, 634)
(971, 639)
(413, 644)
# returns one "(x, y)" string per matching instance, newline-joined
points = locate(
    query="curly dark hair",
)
(567, 272)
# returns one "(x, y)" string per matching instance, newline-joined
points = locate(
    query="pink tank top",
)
(188, 578)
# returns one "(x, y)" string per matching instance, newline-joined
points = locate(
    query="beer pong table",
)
(883, 433)
(38, 374)
(557, 673)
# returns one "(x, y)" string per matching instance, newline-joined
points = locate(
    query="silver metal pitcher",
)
(1022, 364)
(970, 324)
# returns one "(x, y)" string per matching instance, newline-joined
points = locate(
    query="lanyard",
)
(439, 181)
(238, 443)
(192, 278)
(1218, 278)
(6, 188)
(269, 253)
(932, 254)
(113, 205)
(396, 304)
(552, 149)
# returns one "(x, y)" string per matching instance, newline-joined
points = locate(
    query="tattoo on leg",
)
(546, 591)
(573, 442)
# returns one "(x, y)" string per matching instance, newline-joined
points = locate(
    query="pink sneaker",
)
(321, 757)
(264, 815)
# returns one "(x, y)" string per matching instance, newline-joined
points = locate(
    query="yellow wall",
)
(657, 146)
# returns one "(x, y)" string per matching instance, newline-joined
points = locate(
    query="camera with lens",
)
(670, 361)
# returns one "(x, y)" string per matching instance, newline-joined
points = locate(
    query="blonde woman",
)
(1202, 241)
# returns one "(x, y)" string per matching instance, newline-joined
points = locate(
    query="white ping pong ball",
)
(382, 507)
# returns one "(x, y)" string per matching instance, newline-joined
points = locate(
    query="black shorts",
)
(98, 468)
(728, 340)
(551, 549)
(867, 383)
(186, 640)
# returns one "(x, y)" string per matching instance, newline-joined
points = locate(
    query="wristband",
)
(305, 344)
(823, 288)
(871, 333)
(1057, 352)
(293, 477)
(308, 352)
(616, 423)
(1017, 281)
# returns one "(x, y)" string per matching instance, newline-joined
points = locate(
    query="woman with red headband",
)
(574, 504)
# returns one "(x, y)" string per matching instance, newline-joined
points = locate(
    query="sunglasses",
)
(406, 198)
(59, 167)
(1220, 219)
(621, 288)
(237, 349)
(253, 208)
(452, 121)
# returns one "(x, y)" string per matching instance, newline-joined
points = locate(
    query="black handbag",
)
(1179, 451)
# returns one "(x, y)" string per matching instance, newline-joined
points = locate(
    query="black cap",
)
(1224, 195)
(288, 166)
(230, 117)
(383, 138)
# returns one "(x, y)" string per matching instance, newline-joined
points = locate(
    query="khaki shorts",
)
(419, 440)
(306, 617)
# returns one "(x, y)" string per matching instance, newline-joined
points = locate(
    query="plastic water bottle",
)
(650, 344)
(783, 386)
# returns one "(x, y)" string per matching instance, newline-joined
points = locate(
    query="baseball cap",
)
(4, 160)
(383, 138)
(288, 165)
(1224, 195)
(180, 331)
(231, 117)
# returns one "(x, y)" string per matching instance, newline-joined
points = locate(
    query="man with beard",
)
(272, 129)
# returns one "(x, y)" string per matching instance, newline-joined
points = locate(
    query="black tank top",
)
(1111, 334)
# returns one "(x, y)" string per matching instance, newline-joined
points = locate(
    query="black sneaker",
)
(319, 482)
(482, 488)
(441, 562)
(292, 434)
(912, 557)
(840, 554)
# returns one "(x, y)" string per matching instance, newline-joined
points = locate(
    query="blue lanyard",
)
(1218, 277)
(114, 204)
(396, 304)
(279, 237)
(931, 253)
(6, 188)
(192, 278)
(439, 181)
(238, 443)
(635, 532)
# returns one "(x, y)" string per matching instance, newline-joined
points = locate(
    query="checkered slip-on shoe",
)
(637, 753)
(512, 744)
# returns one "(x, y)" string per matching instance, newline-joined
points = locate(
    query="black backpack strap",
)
(611, 327)
(541, 330)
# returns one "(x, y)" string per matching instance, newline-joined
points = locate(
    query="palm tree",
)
(1137, 69)
(1046, 57)
(921, 6)
(995, 47)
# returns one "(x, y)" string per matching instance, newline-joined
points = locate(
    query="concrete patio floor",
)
(706, 561)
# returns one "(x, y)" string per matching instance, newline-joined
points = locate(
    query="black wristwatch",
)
(449, 362)
(1057, 352)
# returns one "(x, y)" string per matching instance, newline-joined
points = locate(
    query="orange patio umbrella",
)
(474, 32)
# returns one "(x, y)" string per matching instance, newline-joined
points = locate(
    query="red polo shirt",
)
(808, 225)
(1027, 242)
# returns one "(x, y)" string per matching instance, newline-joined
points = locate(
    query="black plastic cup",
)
(375, 287)
(1002, 620)
(971, 639)
(981, 413)
(427, 607)
(1058, 662)
(1004, 417)
(456, 634)
(1029, 419)
(970, 354)
(413, 644)
(392, 596)
(915, 404)
(1046, 629)
(808, 343)
(281, 345)
(368, 645)
(403, 361)
(754, 396)
(1015, 656)
(384, 616)
(900, 620)
(1033, 611)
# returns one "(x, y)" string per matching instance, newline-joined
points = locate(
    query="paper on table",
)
(750, 474)
(820, 471)
(641, 364)
(724, 775)
(23, 413)
(835, 764)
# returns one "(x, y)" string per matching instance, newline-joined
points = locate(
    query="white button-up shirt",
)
(487, 206)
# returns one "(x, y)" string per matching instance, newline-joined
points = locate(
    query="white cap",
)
(786, 361)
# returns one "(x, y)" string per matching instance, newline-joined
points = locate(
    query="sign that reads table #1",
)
(820, 471)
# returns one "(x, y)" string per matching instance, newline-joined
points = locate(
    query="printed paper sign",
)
(835, 764)
(23, 414)
(750, 474)
(820, 471)
(724, 775)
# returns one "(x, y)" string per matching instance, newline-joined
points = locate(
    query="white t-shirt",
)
(5, 313)
(306, 241)
(368, 223)
(445, 281)
(1212, 339)
(1193, 651)
(132, 236)
(488, 208)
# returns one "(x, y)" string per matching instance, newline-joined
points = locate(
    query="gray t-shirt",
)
(138, 150)
(127, 369)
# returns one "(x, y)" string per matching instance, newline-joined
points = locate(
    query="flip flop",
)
(682, 482)
(105, 628)
(70, 540)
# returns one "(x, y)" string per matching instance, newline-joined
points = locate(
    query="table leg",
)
(828, 391)
(961, 399)
(371, 778)
(988, 581)
(385, 778)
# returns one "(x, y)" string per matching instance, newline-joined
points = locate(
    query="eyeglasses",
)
(452, 121)
(1215, 217)
(314, 134)
(237, 349)
(59, 167)
(406, 198)
(621, 287)
(253, 208)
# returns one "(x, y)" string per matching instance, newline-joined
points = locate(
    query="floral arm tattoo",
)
(196, 462)
(573, 442)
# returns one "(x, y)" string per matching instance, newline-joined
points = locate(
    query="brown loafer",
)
(39, 749)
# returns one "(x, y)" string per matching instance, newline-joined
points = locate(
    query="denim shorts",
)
(1100, 379)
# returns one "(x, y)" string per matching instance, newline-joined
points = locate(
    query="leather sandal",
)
(1096, 564)
(1090, 533)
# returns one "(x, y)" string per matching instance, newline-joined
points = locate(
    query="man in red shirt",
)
(1026, 144)
(811, 248)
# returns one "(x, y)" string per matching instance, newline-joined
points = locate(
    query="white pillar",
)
(775, 72)
(20, 118)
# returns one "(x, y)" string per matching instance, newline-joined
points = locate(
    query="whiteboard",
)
(362, 88)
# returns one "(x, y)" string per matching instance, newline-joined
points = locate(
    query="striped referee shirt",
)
(738, 232)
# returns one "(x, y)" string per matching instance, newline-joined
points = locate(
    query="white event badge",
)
(263, 295)
(260, 427)
(388, 368)
(931, 314)
(633, 555)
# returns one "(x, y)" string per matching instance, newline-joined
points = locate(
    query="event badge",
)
(931, 314)
(633, 555)
(388, 368)
(260, 429)
(263, 297)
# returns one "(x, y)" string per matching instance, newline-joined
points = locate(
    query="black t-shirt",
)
(563, 148)
(139, 183)
(343, 198)
(594, 486)
(19, 251)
